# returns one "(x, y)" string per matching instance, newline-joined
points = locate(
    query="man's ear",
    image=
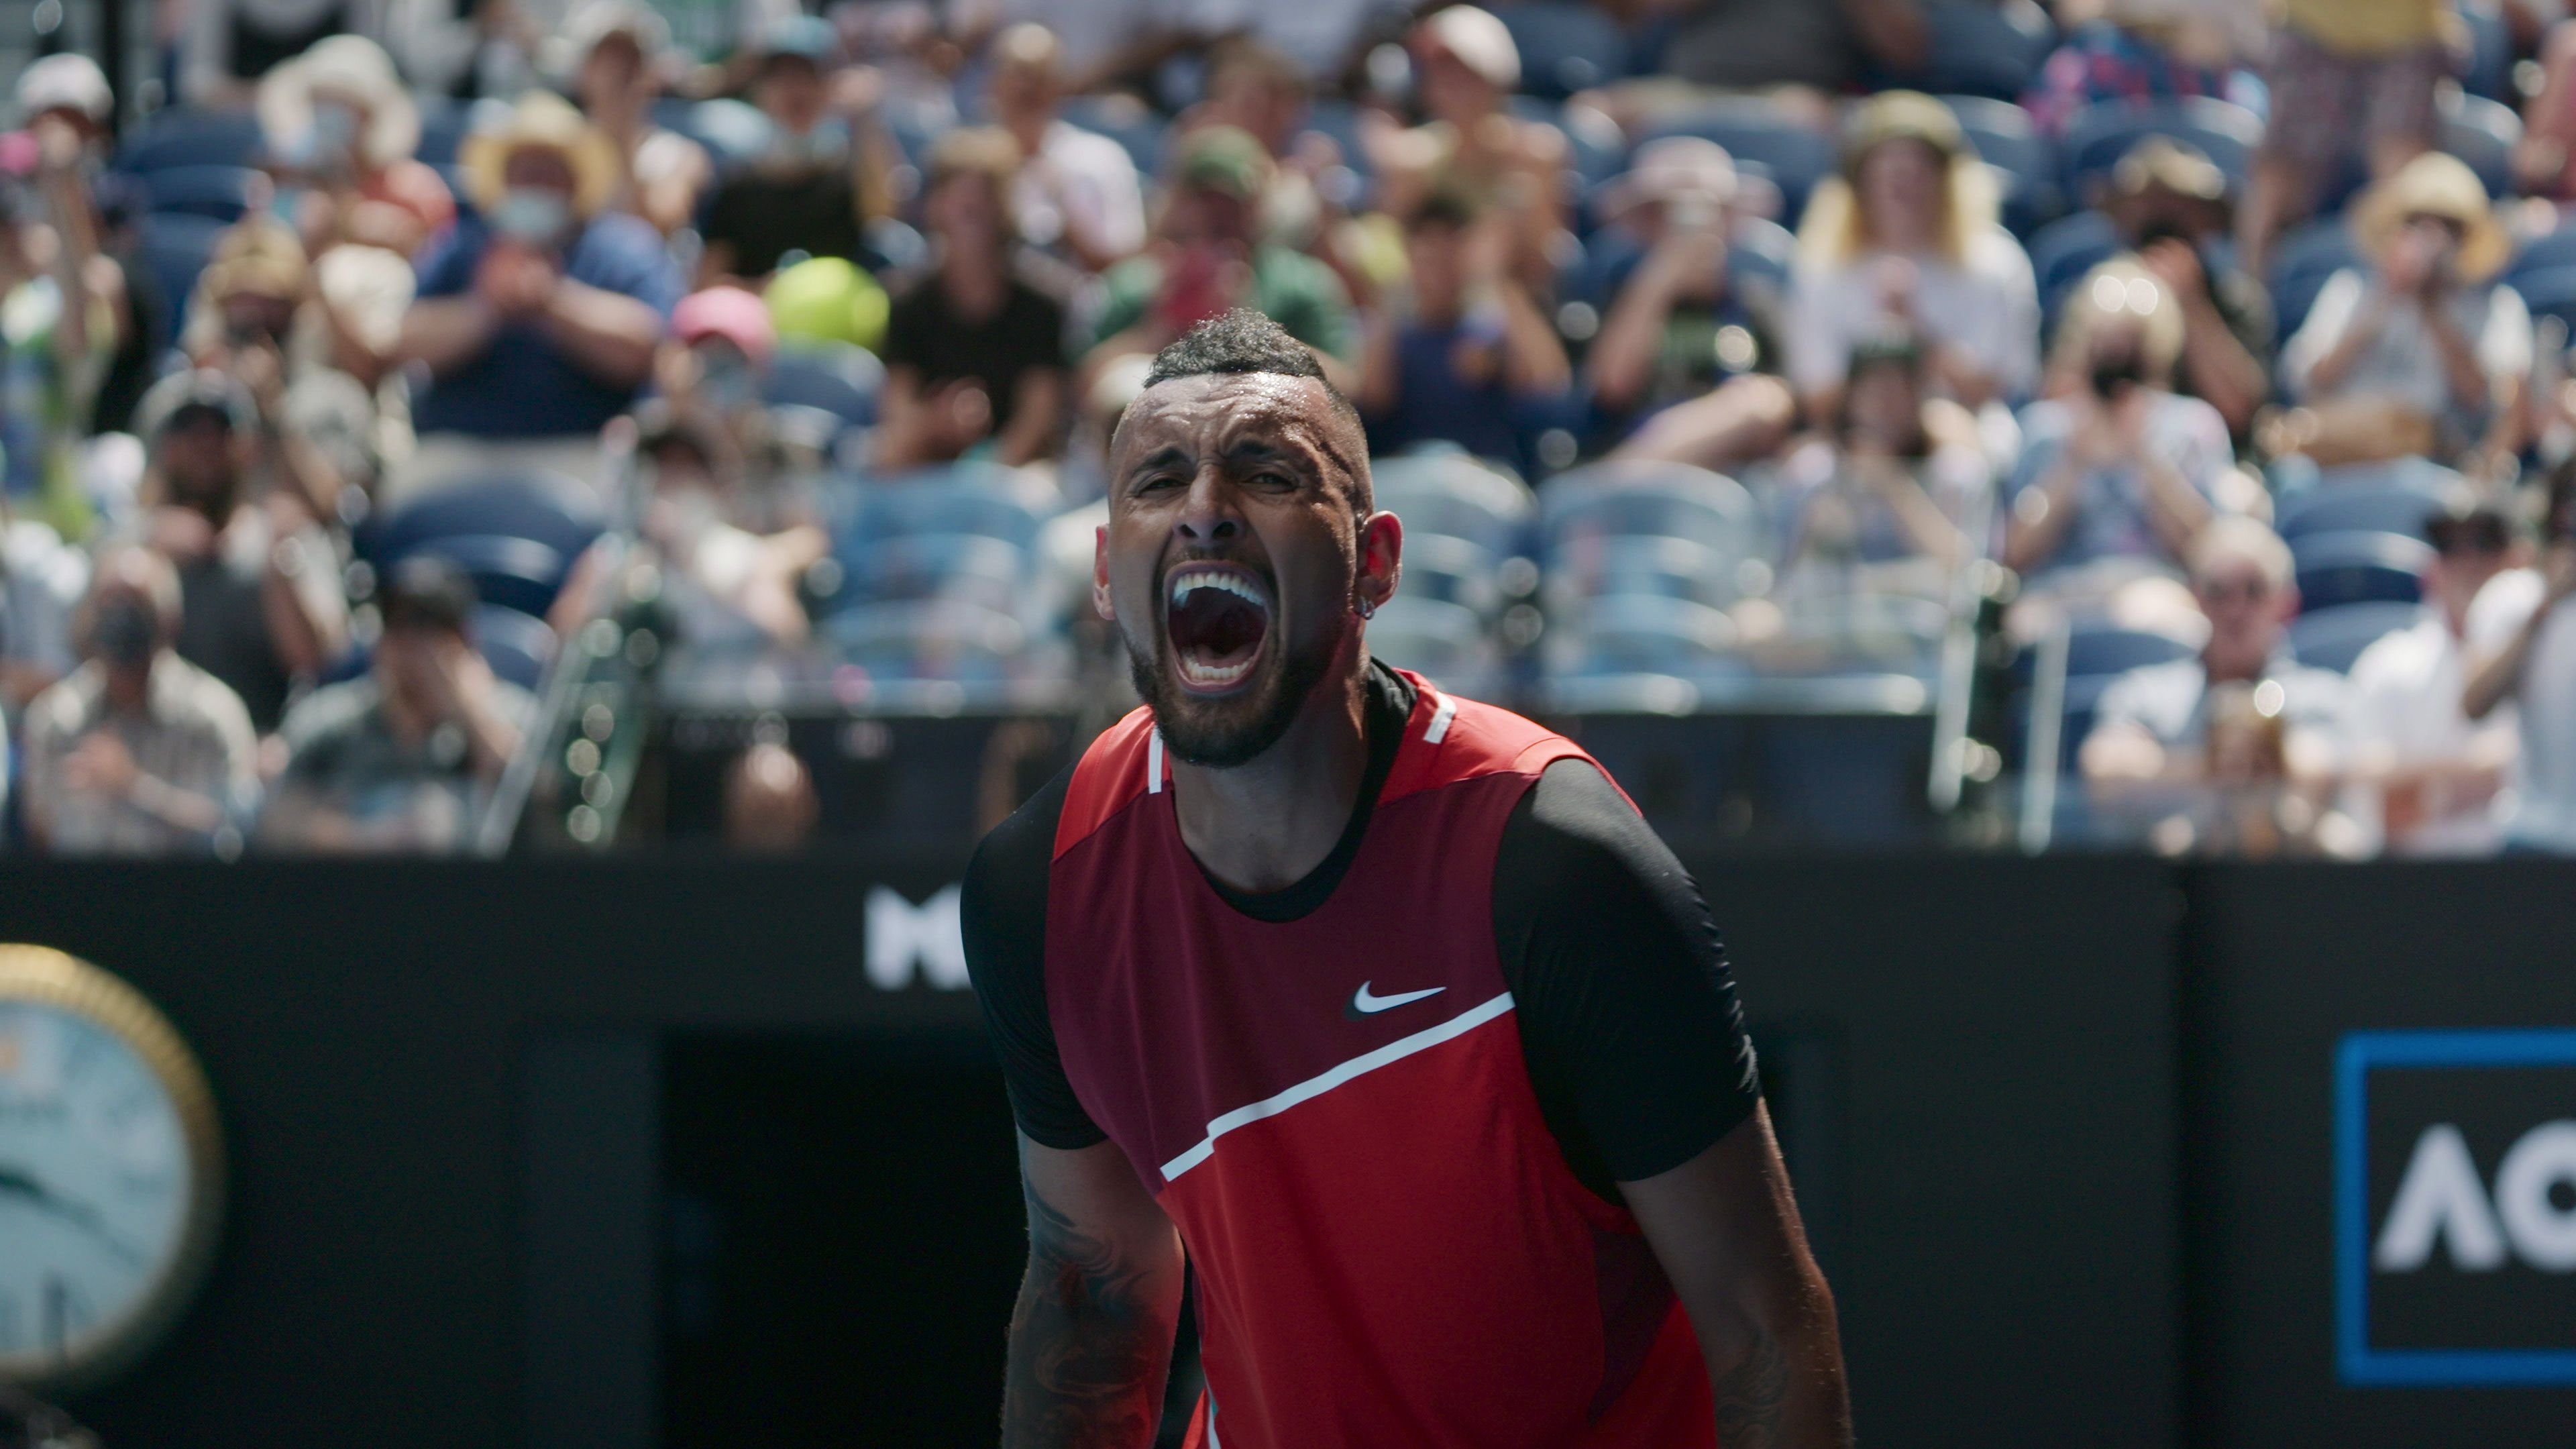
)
(1381, 550)
(1100, 574)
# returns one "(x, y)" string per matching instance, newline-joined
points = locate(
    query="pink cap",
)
(730, 313)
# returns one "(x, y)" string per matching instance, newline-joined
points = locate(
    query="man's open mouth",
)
(1216, 617)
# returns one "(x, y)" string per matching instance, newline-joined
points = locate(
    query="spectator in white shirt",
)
(2522, 649)
(1905, 239)
(2430, 770)
(1077, 190)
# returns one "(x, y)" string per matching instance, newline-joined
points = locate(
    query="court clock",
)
(111, 1172)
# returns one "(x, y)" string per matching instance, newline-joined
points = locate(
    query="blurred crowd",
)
(2205, 360)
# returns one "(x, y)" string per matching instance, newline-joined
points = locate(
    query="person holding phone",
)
(2424, 352)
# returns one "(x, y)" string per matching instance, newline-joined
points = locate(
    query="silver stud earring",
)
(1365, 608)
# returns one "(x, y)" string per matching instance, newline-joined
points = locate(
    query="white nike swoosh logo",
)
(1368, 1005)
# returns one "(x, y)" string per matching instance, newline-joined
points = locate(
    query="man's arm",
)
(1091, 1335)
(1726, 1231)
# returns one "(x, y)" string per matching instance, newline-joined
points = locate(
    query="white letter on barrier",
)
(901, 933)
(2440, 1196)
(2542, 1233)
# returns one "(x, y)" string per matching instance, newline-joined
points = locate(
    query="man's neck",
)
(129, 691)
(1263, 826)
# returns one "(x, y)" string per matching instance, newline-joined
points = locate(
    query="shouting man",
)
(1383, 1006)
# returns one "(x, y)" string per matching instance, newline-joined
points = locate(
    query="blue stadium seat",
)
(1445, 493)
(2549, 293)
(2064, 250)
(2307, 259)
(176, 247)
(2355, 566)
(1751, 129)
(1564, 47)
(933, 571)
(2097, 652)
(517, 646)
(221, 193)
(1125, 120)
(1639, 562)
(2483, 133)
(1988, 48)
(2334, 638)
(2025, 160)
(517, 534)
(2370, 498)
(184, 137)
(2544, 253)
(2098, 136)
(443, 128)
(839, 378)
(2491, 59)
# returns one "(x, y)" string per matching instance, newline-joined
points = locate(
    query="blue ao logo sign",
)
(2455, 1208)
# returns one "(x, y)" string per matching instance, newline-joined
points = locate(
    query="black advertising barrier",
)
(2380, 1130)
(494, 1131)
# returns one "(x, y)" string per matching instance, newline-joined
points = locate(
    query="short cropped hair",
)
(1244, 341)
(2237, 537)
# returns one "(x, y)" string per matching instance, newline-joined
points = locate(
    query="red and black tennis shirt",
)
(1388, 1107)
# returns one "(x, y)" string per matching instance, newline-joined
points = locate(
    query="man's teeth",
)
(1185, 584)
(1213, 674)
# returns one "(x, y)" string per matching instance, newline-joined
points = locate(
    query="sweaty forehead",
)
(1211, 412)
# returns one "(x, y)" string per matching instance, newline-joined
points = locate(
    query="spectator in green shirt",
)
(1206, 258)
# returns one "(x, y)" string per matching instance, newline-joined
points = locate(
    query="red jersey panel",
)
(1336, 1112)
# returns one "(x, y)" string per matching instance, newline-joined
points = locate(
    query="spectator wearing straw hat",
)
(340, 132)
(1905, 239)
(538, 315)
(2423, 351)
(2170, 205)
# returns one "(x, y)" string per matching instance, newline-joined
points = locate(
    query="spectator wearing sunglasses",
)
(2426, 769)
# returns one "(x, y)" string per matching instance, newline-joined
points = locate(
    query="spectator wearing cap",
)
(2420, 766)
(2350, 80)
(401, 758)
(712, 373)
(1889, 496)
(1466, 68)
(1905, 239)
(1686, 362)
(2117, 470)
(261, 606)
(50, 368)
(339, 131)
(827, 172)
(1454, 352)
(1208, 256)
(229, 44)
(617, 57)
(2135, 52)
(2151, 728)
(70, 88)
(975, 350)
(137, 752)
(537, 316)
(259, 315)
(1075, 191)
(2521, 643)
(2423, 352)
(2170, 205)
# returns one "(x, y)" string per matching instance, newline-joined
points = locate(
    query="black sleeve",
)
(1002, 908)
(1628, 1017)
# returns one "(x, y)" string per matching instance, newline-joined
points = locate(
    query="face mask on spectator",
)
(726, 381)
(335, 131)
(532, 214)
(125, 634)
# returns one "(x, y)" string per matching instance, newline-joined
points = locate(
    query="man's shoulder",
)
(184, 694)
(330, 713)
(2400, 659)
(59, 711)
(1007, 877)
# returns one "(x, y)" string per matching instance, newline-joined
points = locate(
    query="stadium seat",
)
(839, 378)
(176, 246)
(517, 646)
(1751, 129)
(2355, 566)
(1639, 562)
(1984, 48)
(1445, 493)
(184, 137)
(444, 126)
(2307, 259)
(2064, 250)
(2483, 133)
(2334, 638)
(2098, 136)
(517, 534)
(2097, 652)
(1564, 47)
(2491, 58)
(2025, 162)
(2544, 253)
(2373, 498)
(2549, 293)
(221, 193)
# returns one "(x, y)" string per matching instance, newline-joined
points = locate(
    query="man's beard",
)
(1272, 706)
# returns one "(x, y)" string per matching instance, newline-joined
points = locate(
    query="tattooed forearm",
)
(1091, 1339)
(1752, 1394)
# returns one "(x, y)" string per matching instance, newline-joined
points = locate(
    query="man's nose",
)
(1209, 514)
